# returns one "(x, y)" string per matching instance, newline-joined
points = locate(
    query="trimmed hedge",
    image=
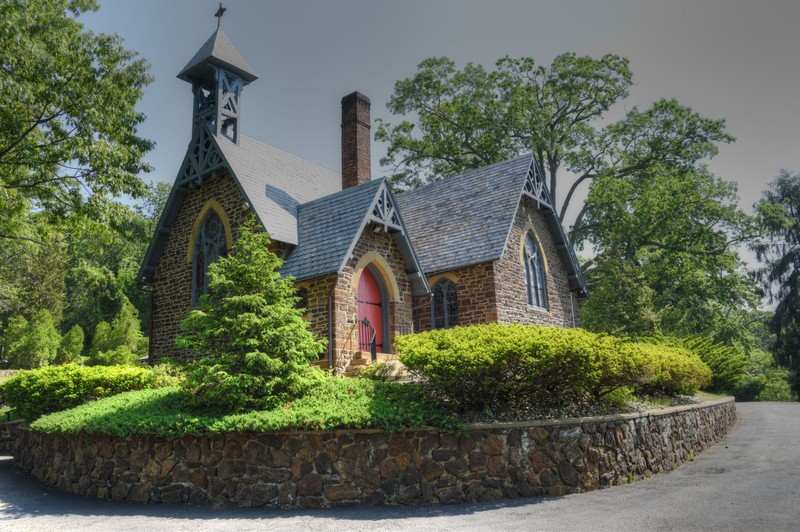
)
(37, 392)
(500, 367)
(668, 370)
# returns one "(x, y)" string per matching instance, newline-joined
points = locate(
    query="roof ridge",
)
(465, 174)
(348, 190)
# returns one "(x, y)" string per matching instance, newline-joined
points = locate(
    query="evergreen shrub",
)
(727, 363)
(333, 404)
(37, 392)
(257, 346)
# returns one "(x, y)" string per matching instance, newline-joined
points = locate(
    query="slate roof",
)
(276, 183)
(327, 228)
(465, 219)
(217, 50)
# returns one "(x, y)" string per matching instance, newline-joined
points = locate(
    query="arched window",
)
(208, 247)
(534, 273)
(302, 302)
(444, 308)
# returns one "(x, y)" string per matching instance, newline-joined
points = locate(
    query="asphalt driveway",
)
(749, 481)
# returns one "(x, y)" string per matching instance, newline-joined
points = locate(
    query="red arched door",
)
(370, 306)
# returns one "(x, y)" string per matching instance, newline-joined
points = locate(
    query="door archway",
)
(373, 305)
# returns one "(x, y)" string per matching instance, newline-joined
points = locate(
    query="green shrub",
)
(726, 362)
(498, 367)
(71, 346)
(53, 388)
(258, 344)
(501, 367)
(120, 342)
(334, 404)
(669, 370)
(31, 344)
(377, 371)
(764, 380)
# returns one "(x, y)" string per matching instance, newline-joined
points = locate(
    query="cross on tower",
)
(220, 11)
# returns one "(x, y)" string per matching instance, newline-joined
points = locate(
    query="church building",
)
(369, 264)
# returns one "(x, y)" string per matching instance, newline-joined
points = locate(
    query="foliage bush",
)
(50, 389)
(377, 371)
(668, 370)
(71, 346)
(497, 367)
(31, 344)
(727, 362)
(119, 342)
(258, 344)
(334, 404)
(763, 380)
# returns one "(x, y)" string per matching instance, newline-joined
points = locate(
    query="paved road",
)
(750, 481)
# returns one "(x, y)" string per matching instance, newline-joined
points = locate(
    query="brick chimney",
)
(356, 164)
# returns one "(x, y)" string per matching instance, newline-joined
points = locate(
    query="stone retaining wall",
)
(8, 435)
(313, 469)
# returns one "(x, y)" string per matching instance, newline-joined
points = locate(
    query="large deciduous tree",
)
(779, 216)
(654, 215)
(68, 139)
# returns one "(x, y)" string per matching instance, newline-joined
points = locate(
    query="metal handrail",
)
(373, 346)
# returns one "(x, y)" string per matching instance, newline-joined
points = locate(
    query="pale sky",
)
(725, 58)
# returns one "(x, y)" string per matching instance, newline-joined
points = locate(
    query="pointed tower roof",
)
(218, 50)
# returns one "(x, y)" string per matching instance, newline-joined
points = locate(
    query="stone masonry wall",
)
(476, 297)
(8, 435)
(512, 303)
(172, 281)
(314, 469)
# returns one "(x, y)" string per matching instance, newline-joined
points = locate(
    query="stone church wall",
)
(477, 302)
(512, 303)
(370, 243)
(172, 281)
(496, 291)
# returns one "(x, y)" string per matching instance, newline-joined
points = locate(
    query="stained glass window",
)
(534, 274)
(208, 247)
(444, 310)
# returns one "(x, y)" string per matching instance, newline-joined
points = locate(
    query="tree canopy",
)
(68, 138)
(660, 224)
(779, 216)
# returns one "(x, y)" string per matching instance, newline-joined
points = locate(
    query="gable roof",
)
(466, 219)
(329, 227)
(273, 181)
(217, 50)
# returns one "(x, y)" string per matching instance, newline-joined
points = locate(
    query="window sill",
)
(539, 310)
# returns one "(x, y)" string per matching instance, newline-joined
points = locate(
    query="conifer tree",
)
(259, 348)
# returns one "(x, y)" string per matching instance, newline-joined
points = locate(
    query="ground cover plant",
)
(334, 404)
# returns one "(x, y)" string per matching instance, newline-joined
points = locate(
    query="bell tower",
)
(218, 74)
